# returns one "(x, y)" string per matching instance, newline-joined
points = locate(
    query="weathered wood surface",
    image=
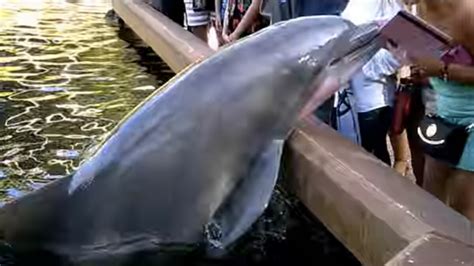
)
(380, 216)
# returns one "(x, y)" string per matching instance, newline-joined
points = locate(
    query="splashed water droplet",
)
(36, 186)
(67, 154)
(52, 89)
(14, 193)
(2, 175)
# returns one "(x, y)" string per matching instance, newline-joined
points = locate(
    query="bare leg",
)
(461, 193)
(436, 177)
(401, 151)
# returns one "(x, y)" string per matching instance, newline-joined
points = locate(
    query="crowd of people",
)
(437, 128)
(234, 19)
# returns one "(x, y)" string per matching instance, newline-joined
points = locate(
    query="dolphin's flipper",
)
(248, 200)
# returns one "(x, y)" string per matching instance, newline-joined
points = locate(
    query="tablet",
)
(415, 36)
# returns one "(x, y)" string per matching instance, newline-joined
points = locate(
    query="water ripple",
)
(66, 79)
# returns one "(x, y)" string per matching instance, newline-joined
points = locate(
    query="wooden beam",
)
(380, 216)
(176, 46)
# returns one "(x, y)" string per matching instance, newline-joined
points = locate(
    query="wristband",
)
(446, 72)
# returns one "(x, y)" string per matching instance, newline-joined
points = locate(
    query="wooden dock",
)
(380, 216)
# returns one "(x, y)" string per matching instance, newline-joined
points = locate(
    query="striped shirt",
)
(195, 18)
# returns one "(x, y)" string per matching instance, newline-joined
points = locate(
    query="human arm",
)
(249, 18)
(431, 67)
(217, 5)
(382, 64)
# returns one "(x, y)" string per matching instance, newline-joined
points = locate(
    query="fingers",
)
(225, 37)
(228, 38)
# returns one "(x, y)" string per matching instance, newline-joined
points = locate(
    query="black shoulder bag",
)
(442, 140)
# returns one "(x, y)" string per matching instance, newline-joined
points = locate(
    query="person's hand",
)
(229, 38)
(428, 67)
(225, 37)
(416, 76)
(233, 37)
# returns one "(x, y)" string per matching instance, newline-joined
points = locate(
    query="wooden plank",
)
(380, 216)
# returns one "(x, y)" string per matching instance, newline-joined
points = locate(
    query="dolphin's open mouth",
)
(362, 38)
(354, 48)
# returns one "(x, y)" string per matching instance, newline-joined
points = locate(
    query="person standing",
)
(374, 89)
(197, 21)
(242, 17)
(374, 86)
(453, 83)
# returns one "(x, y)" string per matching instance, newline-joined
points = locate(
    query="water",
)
(287, 234)
(67, 76)
(65, 80)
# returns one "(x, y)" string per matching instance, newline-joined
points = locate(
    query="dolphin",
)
(196, 162)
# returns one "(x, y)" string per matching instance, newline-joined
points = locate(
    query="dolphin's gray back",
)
(166, 170)
(199, 134)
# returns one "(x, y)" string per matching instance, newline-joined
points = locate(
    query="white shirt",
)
(364, 11)
(372, 87)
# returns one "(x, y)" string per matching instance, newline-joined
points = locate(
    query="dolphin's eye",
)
(334, 61)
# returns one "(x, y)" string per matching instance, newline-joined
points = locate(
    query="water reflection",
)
(65, 80)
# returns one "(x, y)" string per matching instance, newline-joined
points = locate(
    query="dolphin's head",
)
(339, 60)
(297, 58)
(350, 51)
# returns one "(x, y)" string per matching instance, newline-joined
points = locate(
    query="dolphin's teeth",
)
(309, 60)
(304, 59)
